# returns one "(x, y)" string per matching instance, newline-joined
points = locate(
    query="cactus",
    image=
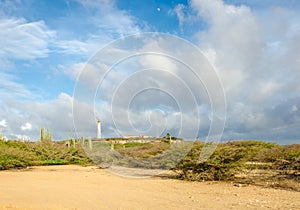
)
(82, 141)
(73, 142)
(42, 137)
(45, 136)
(68, 143)
(90, 143)
(48, 135)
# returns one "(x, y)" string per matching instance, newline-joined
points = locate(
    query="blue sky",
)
(253, 46)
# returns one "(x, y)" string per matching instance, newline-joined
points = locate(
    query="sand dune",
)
(76, 187)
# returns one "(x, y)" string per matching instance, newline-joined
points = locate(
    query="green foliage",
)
(16, 158)
(55, 162)
(151, 155)
(14, 154)
(289, 152)
(169, 137)
(220, 166)
(129, 145)
(143, 150)
(230, 158)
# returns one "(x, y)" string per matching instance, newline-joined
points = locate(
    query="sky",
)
(54, 55)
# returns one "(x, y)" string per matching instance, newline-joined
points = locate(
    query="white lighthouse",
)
(99, 130)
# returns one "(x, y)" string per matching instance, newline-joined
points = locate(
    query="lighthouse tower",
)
(99, 130)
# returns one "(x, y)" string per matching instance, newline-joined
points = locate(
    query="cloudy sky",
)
(54, 55)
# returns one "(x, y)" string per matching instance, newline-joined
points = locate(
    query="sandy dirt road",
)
(76, 187)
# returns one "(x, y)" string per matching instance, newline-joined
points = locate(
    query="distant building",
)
(145, 137)
(132, 136)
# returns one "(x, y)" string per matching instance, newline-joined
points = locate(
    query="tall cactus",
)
(68, 143)
(90, 143)
(73, 141)
(82, 141)
(42, 137)
(45, 136)
(48, 135)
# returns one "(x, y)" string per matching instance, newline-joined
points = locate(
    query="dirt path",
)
(76, 187)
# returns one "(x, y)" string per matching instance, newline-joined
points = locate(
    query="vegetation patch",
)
(17, 154)
(246, 162)
(254, 162)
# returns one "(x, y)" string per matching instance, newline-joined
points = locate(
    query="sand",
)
(76, 187)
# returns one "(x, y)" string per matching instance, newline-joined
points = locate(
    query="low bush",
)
(16, 154)
(233, 158)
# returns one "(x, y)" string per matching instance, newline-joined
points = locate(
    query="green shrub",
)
(230, 158)
(15, 158)
(15, 154)
(54, 162)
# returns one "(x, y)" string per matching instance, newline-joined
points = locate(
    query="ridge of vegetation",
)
(244, 162)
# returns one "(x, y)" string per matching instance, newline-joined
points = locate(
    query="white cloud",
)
(72, 71)
(234, 34)
(111, 19)
(136, 91)
(28, 40)
(72, 47)
(10, 88)
(180, 14)
(26, 126)
(56, 115)
(83, 48)
(257, 59)
(24, 40)
(3, 123)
